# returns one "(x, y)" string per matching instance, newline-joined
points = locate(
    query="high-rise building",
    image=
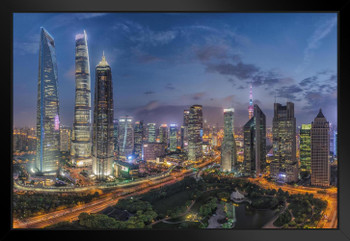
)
(81, 136)
(103, 128)
(251, 107)
(153, 151)
(138, 139)
(48, 120)
(305, 148)
(126, 137)
(173, 137)
(184, 144)
(65, 139)
(163, 134)
(115, 139)
(320, 170)
(151, 132)
(228, 147)
(255, 144)
(284, 167)
(195, 132)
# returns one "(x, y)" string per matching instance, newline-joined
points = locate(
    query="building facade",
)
(195, 131)
(65, 139)
(151, 132)
(163, 133)
(138, 139)
(173, 137)
(228, 147)
(48, 120)
(126, 137)
(284, 167)
(254, 144)
(305, 148)
(81, 136)
(103, 128)
(184, 136)
(320, 169)
(153, 151)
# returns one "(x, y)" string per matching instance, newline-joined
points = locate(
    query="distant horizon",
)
(163, 63)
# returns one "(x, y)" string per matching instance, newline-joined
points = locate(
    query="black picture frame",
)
(340, 7)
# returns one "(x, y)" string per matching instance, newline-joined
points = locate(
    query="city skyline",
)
(228, 62)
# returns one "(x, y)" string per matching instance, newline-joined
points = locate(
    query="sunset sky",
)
(164, 62)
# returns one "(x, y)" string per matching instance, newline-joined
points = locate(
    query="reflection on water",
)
(252, 219)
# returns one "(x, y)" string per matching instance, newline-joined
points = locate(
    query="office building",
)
(65, 139)
(163, 134)
(138, 139)
(126, 137)
(81, 132)
(48, 120)
(103, 128)
(173, 137)
(305, 148)
(184, 140)
(195, 132)
(228, 147)
(320, 169)
(151, 132)
(284, 167)
(153, 151)
(255, 144)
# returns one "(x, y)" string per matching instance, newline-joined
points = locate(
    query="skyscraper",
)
(195, 131)
(163, 134)
(185, 131)
(151, 132)
(228, 147)
(81, 136)
(65, 139)
(173, 137)
(305, 148)
(47, 121)
(320, 170)
(284, 167)
(138, 139)
(255, 143)
(102, 141)
(115, 139)
(251, 107)
(126, 137)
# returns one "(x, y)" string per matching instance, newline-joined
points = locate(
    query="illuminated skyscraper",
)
(65, 139)
(255, 143)
(126, 137)
(173, 137)
(185, 130)
(305, 148)
(48, 121)
(284, 167)
(163, 134)
(81, 136)
(228, 147)
(195, 132)
(138, 139)
(115, 139)
(320, 170)
(251, 107)
(102, 140)
(151, 132)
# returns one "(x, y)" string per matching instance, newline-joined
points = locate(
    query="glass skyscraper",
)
(151, 132)
(138, 139)
(81, 136)
(320, 170)
(103, 128)
(48, 120)
(195, 131)
(163, 134)
(305, 148)
(173, 137)
(126, 137)
(284, 167)
(228, 147)
(255, 143)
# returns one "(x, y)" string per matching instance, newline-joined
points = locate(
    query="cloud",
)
(314, 42)
(169, 86)
(239, 70)
(149, 92)
(198, 96)
(29, 45)
(291, 93)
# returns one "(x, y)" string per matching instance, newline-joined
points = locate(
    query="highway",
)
(109, 199)
(330, 215)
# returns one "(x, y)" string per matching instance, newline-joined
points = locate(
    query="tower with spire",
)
(251, 107)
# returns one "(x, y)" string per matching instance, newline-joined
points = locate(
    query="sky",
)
(162, 63)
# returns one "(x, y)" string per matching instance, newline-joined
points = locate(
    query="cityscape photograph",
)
(174, 120)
